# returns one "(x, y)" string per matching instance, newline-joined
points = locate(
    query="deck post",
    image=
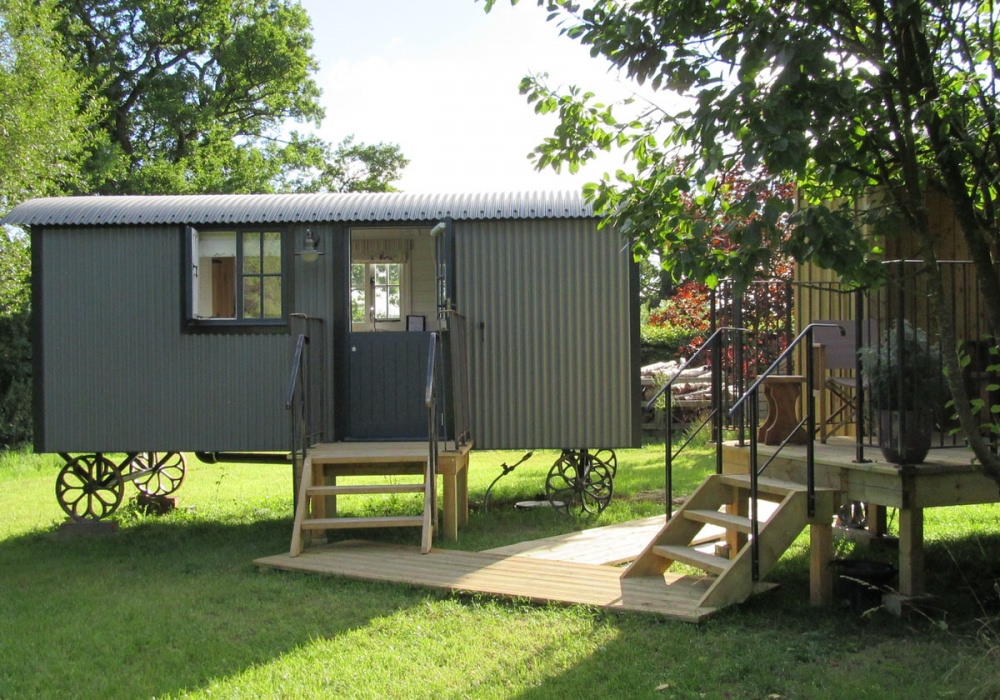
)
(820, 556)
(911, 551)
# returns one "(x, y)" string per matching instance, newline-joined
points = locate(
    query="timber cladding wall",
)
(117, 373)
(551, 333)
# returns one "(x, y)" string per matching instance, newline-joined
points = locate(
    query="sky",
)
(440, 79)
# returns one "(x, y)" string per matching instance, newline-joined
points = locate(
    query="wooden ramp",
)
(610, 544)
(670, 595)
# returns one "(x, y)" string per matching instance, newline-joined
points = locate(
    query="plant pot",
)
(905, 436)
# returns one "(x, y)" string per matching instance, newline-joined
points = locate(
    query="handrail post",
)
(754, 411)
(859, 384)
(810, 425)
(717, 397)
(668, 458)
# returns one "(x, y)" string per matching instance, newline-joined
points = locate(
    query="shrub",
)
(15, 350)
(678, 326)
(664, 343)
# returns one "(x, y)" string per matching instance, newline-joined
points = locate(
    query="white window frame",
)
(371, 321)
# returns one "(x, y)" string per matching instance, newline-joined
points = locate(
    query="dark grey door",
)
(387, 385)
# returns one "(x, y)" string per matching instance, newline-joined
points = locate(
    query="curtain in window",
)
(376, 251)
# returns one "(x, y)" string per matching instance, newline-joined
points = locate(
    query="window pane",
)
(358, 276)
(272, 297)
(358, 305)
(251, 253)
(386, 303)
(251, 297)
(387, 290)
(272, 253)
(358, 292)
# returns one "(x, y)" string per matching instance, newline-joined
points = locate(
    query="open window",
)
(237, 277)
(381, 262)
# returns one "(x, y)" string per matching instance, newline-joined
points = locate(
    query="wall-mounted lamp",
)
(438, 229)
(309, 252)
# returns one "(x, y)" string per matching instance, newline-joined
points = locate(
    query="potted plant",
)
(905, 386)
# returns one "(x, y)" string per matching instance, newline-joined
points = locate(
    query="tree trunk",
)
(950, 354)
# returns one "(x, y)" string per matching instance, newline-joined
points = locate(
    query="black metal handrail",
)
(715, 413)
(296, 389)
(294, 378)
(298, 398)
(751, 395)
(433, 414)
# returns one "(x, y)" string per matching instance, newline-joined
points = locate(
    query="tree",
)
(15, 350)
(195, 93)
(348, 168)
(44, 124)
(877, 101)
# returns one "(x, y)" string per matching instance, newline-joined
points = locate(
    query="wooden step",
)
(358, 523)
(725, 520)
(765, 486)
(686, 555)
(358, 489)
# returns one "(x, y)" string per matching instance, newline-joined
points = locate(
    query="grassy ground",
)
(173, 607)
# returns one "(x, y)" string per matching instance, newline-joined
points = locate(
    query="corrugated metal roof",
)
(295, 208)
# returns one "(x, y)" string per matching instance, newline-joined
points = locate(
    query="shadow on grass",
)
(174, 605)
(163, 606)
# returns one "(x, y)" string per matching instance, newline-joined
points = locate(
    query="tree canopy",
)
(350, 167)
(873, 101)
(45, 124)
(168, 96)
(193, 93)
(197, 96)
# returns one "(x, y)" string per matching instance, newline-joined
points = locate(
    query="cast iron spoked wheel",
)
(581, 480)
(608, 458)
(158, 473)
(89, 487)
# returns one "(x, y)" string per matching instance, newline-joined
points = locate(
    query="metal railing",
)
(807, 424)
(304, 405)
(772, 309)
(711, 348)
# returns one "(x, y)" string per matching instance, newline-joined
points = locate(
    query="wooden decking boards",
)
(581, 567)
(610, 545)
(670, 595)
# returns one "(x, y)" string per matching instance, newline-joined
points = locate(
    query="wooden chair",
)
(835, 374)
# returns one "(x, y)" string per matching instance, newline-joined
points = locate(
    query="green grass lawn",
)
(172, 606)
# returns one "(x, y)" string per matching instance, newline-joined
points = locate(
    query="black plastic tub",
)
(861, 583)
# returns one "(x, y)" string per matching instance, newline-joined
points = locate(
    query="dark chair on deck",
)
(835, 368)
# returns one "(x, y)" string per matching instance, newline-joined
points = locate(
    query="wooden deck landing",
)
(948, 477)
(539, 580)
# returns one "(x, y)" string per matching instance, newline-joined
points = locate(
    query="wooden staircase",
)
(723, 501)
(316, 509)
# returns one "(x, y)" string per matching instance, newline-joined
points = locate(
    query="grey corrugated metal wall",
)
(551, 325)
(119, 375)
(552, 331)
